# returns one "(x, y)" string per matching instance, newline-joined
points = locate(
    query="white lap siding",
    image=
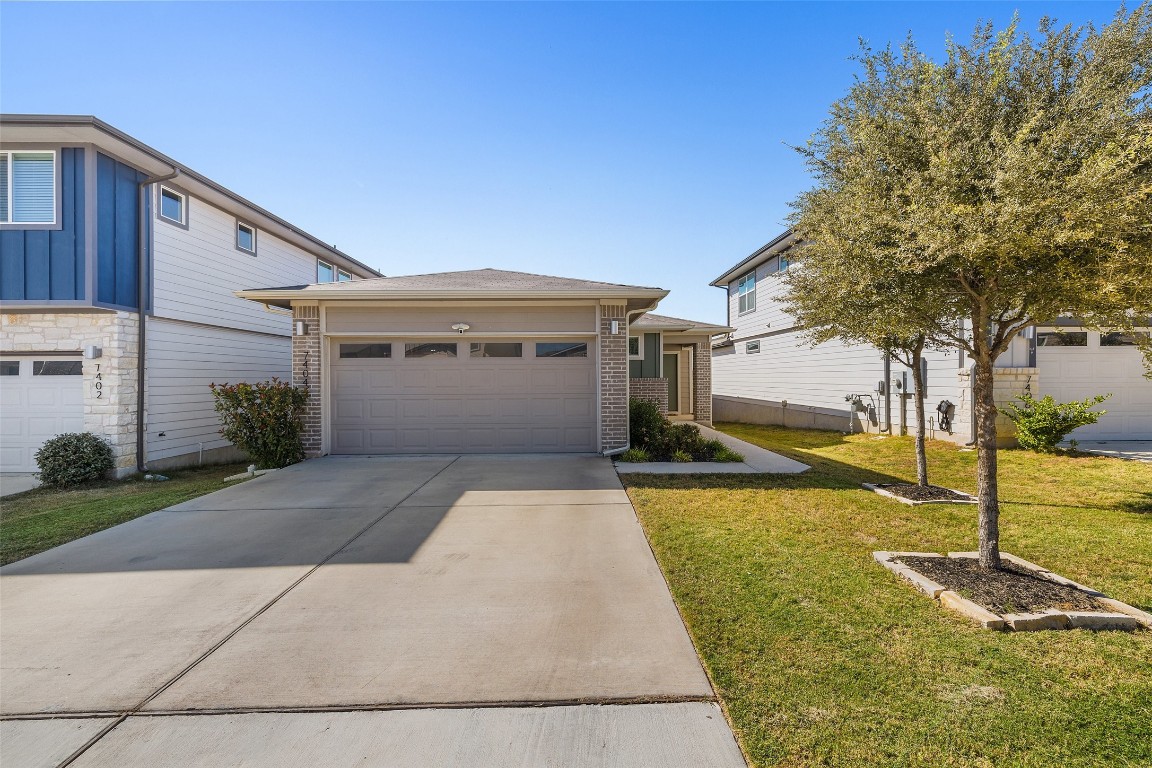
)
(198, 269)
(183, 359)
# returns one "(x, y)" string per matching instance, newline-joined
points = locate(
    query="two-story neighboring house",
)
(767, 373)
(91, 221)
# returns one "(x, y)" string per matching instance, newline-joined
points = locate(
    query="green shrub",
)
(645, 423)
(73, 458)
(726, 454)
(263, 420)
(634, 455)
(681, 457)
(1044, 423)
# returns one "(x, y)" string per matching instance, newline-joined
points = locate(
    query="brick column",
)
(306, 373)
(613, 378)
(702, 382)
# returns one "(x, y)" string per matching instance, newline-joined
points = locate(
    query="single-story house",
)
(486, 361)
(768, 373)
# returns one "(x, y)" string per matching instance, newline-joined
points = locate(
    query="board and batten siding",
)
(183, 360)
(197, 271)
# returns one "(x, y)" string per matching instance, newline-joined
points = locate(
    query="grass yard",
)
(44, 518)
(823, 657)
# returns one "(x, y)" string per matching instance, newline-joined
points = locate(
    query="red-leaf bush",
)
(263, 420)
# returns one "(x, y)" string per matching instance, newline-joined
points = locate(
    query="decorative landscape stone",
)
(1023, 597)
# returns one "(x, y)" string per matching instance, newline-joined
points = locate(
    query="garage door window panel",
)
(357, 351)
(432, 349)
(10, 368)
(554, 349)
(496, 349)
(1121, 339)
(1062, 339)
(57, 368)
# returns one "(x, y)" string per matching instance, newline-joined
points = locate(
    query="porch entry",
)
(677, 370)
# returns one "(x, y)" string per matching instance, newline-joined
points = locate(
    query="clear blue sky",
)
(636, 143)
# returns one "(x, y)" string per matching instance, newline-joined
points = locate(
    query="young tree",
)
(1004, 187)
(833, 299)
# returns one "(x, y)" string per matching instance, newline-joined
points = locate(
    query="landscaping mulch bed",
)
(1014, 589)
(914, 492)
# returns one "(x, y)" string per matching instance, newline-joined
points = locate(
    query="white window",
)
(173, 206)
(343, 276)
(784, 264)
(635, 348)
(746, 290)
(28, 187)
(245, 238)
(752, 348)
(325, 273)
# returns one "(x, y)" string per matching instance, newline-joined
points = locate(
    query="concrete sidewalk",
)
(517, 592)
(757, 460)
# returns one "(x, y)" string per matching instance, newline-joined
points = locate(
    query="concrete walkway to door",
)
(375, 611)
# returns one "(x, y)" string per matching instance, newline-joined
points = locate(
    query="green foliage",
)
(1042, 424)
(263, 420)
(72, 459)
(658, 439)
(634, 455)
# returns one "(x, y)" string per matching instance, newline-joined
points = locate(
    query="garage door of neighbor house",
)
(452, 396)
(39, 399)
(1077, 365)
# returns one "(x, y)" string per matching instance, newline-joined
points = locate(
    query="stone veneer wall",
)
(306, 373)
(613, 378)
(109, 380)
(653, 390)
(1010, 383)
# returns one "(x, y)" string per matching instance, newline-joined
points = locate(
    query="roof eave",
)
(782, 242)
(284, 298)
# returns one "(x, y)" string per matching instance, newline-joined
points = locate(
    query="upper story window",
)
(746, 290)
(245, 238)
(326, 273)
(784, 263)
(173, 206)
(28, 187)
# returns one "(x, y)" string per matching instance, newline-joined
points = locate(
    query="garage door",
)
(506, 395)
(1075, 365)
(38, 400)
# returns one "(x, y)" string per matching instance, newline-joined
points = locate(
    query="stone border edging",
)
(1123, 617)
(875, 488)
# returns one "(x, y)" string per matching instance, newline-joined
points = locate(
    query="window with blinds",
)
(28, 187)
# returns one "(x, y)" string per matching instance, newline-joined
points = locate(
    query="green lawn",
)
(823, 657)
(41, 519)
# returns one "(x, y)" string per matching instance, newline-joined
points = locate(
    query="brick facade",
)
(306, 372)
(109, 381)
(702, 381)
(613, 378)
(653, 390)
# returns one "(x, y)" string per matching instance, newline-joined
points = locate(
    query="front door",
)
(672, 373)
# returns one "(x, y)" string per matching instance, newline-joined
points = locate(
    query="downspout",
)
(887, 394)
(628, 376)
(141, 293)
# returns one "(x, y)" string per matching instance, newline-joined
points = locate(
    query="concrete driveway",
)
(385, 611)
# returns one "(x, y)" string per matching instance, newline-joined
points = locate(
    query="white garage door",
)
(1075, 365)
(38, 400)
(500, 396)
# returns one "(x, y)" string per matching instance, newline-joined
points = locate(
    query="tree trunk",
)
(918, 395)
(985, 402)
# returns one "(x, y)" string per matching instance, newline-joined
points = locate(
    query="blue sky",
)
(637, 143)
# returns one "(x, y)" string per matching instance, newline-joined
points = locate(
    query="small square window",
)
(496, 349)
(245, 238)
(172, 206)
(433, 349)
(10, 368)
(344, 277)
(365, 350)
(635, 348)
(561, 349)
(325, 273)
(752, 348)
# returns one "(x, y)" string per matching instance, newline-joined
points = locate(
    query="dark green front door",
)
(672, 373)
